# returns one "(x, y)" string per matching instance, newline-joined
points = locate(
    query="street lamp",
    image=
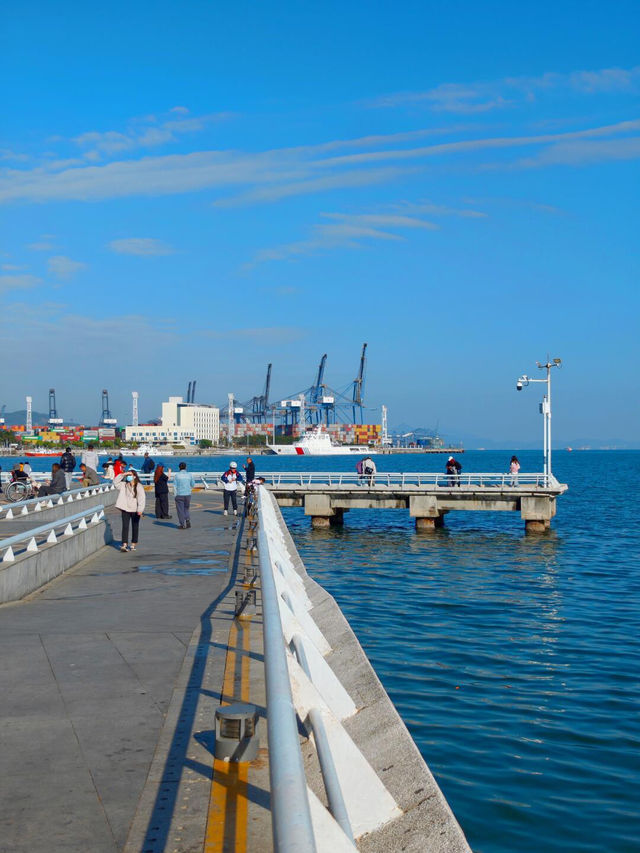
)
(545, 406)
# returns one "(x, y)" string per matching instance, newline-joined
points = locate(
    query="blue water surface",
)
(513, 659)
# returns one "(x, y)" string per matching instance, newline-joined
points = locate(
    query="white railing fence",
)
(32, 540)
(300, 683)
(32, 505)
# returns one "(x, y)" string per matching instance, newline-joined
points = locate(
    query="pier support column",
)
(537, 512)
(322, 514)
(424, 508)
(534, 525)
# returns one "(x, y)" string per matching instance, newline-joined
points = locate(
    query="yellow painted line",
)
(227, 820)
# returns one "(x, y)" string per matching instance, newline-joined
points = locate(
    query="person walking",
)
(250, 470)
(161, 482)
(230, 479)
(514, 470)
(453, 469)
(183, 483)
(148, 465)
(131, 501)
(90, 457)
(89, 476)
(68, 464)
(369, 470)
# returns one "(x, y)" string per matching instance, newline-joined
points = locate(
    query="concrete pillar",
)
(440, 520)
(537, 512)
(321, 522)
(425, 525)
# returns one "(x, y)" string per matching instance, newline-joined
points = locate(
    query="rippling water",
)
(513, 660)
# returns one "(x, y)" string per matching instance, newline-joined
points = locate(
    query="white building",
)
(182, 423)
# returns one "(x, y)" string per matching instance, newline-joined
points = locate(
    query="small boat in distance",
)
(316, 442)
(40, 453)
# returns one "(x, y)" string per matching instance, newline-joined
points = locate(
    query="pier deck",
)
(428, 497)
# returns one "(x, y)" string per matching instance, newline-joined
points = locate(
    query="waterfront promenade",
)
(109, 680)
(89, 664)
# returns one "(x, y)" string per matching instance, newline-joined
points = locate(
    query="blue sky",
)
(197, 189)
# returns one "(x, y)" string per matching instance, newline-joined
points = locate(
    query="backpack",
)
(359, 466)
(368, 469)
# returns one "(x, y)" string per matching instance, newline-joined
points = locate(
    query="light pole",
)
(545, 407)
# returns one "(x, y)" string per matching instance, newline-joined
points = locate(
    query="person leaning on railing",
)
(89, 476)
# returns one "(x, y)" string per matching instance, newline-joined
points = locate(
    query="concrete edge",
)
(31, 570)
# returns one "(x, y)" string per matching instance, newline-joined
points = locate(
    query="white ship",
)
(318, 443)
(139, 451)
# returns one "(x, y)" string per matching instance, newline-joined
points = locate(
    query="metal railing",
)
(301, 686)
(31, 505)
(489, 480)
(46, 533)
(416, 479)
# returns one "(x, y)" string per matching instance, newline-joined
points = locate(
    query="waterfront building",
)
(181, 423)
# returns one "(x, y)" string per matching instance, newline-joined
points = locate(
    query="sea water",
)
(513, 659)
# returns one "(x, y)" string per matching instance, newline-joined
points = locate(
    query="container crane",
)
(358, 386)
(53, 411)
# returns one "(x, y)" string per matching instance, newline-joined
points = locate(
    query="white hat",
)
(449, 459)
(233, 465)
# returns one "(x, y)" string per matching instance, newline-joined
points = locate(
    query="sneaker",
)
(123, 548)
(235, 512)
(181, 527)
(226, 513)
(133, 548)
(188, 524)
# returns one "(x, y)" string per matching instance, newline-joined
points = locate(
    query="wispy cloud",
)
(484, 96)
(582, 152)
(147, 132)
(266, 335)
(64, 268)
(41, 246)
(12, 267)
(345, 230)
(142, 246)
(272, 175)
(18, 282)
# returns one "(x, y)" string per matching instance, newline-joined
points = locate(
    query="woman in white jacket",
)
(130, 502)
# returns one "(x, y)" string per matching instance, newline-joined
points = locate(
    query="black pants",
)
(230, 496)
(162, 506)
(135, 524)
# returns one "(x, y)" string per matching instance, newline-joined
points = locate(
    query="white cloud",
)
(40, 246)
(484, 96)
(266, 335)
(347, 230)
(143, 246)
(18, 282)
(269, 175)
(146, 132)
(63, 267)
(12, 267)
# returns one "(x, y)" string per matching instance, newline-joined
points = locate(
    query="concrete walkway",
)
(88, 666)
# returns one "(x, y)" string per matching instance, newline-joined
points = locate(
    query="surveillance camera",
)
(518, 385)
